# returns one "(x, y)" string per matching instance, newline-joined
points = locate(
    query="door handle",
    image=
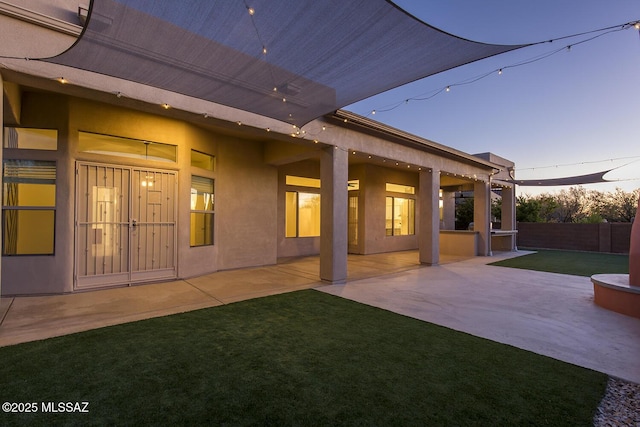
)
(134, 223)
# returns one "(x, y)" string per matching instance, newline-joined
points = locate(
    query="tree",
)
(618, 206)
(528, 209)
(578, 205)
(573, 205)
(464, 213)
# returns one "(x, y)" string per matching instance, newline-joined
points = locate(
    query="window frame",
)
(5, 138)
(206, 212)
(407, 193)
(297, 214)
(29, 208)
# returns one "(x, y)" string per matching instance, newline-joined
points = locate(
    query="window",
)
(126, 147)
(202, 160)
(302, 217)
(398, 188)
(30, 139)
(301, 181)
(302, 208)
(202, 211)
(400, 216)
(28, 207)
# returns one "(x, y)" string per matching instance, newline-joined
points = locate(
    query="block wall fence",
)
(602, 237)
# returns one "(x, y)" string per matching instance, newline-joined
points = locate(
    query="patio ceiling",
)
(291, 60)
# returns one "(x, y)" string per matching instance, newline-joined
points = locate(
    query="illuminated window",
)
(302, 214)
(126, 147)
(202, 211)
(202, 160)
(400, 216)
(398, 188)
(301, 181)
(30, 139)
(28, 207)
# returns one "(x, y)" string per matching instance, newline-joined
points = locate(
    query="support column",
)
(334, 175)
(429, 237)
(482, 216)
(448, 210)
(508, 217)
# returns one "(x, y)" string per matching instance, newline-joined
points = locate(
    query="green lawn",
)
(570, 262)
(304, 358)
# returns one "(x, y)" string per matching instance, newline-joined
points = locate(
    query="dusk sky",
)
(580, 105)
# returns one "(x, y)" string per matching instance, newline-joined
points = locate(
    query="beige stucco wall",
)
(246, 196)
(46, 274)
(245, 190)
(373, 180)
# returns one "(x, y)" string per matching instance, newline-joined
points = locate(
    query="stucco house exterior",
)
(108, 182)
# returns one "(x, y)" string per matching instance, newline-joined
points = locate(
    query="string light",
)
(251, 11)
(429, 95)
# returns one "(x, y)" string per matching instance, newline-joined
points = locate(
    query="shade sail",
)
(592, 178)
(291, 60)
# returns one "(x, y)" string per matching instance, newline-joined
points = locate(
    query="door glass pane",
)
(389, 217)
(353, 220)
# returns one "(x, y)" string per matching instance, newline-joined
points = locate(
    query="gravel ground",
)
(620, 405)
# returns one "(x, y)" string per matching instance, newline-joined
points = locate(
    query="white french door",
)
(125, 225)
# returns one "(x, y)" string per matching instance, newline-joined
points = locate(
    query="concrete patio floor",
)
(547, 313)
(31, 318)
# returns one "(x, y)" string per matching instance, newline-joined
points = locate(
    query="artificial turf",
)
(570, 262)
(303, 358)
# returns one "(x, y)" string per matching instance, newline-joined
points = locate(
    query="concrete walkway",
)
(549, 314)
(546, 313)
(24, 319)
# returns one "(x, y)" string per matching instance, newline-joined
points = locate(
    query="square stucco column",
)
(508, 214)
(429, 237)
(334, 174)
(448, 210)
(482, 216)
